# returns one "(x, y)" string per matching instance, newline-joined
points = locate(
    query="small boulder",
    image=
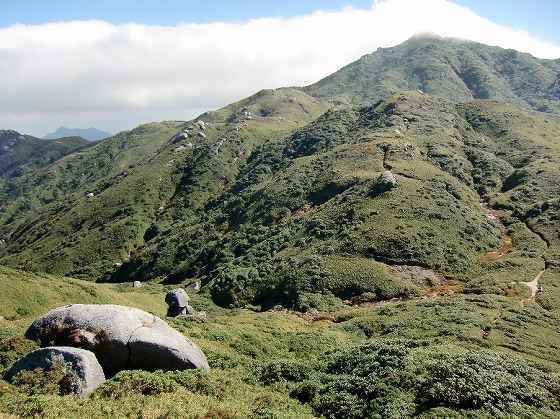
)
(136, 284)
(118, 335)
(178, 303)
(385, 182)
(194, 287)
(83, 373)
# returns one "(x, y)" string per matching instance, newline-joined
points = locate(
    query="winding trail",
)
(506, 248)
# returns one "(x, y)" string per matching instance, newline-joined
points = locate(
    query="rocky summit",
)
(382, 243)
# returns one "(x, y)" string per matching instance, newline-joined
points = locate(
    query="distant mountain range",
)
(91, 134)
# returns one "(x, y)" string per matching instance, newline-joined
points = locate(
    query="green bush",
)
(473, 380)
(55, 380)
(13, 348)
(127, 383)
(284, 370)
(198, 382)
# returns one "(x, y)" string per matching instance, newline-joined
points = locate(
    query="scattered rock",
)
(83, 373)
(89, 195)
(178, 303)
(385, 182)
(417, 275)
(199, 317)
(121, 337)
(201, 125)
(194, 287)
(136, 284)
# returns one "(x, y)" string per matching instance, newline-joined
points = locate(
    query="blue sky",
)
(539, 17)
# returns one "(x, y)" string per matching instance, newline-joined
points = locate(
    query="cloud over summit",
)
(115, 76)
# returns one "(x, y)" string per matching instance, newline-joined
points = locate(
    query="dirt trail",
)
(507, 243)
(534, 284)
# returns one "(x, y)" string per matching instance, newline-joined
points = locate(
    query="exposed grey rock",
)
(388, 179)
(178, 303)
(177, 297)
(201, 124)
(418, 275)
(137, 284)
(385, 182)
(118, 335)
(194, 287)
(83, 373)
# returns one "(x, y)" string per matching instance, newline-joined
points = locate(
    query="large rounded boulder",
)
(121, 337)
(82, 372)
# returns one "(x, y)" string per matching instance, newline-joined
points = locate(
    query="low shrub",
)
(284, 370)
(127, 383)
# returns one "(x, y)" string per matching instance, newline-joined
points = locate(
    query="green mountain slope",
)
(265, 212)
(453, 69)
(151, 176)
(54, 187)
(19, 153)
(305, 214)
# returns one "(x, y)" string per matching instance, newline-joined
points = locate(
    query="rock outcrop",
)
(121, 337)
(83, 373)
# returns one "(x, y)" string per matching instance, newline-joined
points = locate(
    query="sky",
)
(114, 64)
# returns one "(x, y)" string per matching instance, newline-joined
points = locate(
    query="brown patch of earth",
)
(507, 243)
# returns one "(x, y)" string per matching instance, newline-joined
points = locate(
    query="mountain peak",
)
(447, 67)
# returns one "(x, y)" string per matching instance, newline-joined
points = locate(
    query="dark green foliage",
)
(288, 370)
(139, 382)
(385, 379)
(474, 380)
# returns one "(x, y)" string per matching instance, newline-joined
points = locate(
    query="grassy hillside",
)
(306, 207)
(264, 212)
(453, 69)
(21, 153)
(140, 180)
(445, 355)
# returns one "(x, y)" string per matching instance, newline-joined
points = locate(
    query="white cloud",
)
(115, 76)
